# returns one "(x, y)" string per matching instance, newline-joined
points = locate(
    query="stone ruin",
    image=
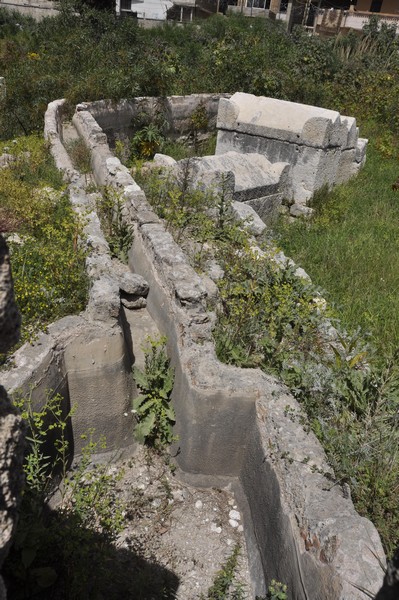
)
(271, 154)
(233, 424)
(319, 146)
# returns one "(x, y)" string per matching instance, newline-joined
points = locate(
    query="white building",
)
(151, 10)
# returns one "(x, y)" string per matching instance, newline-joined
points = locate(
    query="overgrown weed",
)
(155, 413)
(52, 548)
(47, 259)
(118, 233)
(271, 319)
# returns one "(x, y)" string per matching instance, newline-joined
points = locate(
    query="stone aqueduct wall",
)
(232, 423)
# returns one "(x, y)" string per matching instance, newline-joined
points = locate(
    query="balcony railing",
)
(332, 18)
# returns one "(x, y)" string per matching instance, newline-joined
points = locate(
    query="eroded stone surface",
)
(230, 420)
(11, 428)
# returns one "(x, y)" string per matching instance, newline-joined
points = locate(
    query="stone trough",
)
(232, 424)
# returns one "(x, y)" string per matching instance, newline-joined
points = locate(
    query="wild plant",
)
(52, 546)
(150, 128)
(276, 591)
(225, 586)
(153, 408)
(80, 155)
(269, 318)
(147, 142)
(47, 262)
(118, 233)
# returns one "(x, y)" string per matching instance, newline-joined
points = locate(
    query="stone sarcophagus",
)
(321, 146)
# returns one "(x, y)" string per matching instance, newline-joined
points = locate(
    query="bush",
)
(62, 552)
(48, 262)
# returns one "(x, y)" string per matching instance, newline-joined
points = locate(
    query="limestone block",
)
(351, 132)
(130, 283)
(347, 166)
(104, 300)
(321, 132)
(11, 475)
(133, 302)
(267, 207)
(249, 175)
(298, 210)
(278, 119)
(208, 176)
(315, 167)
(227, 114)
(100, 385)
(94, 237)
(98, 265)
(308, 138)
(11, 428)
(181, 280)
(163, 160)
(88, 128)
(246, 213)
(361, 148)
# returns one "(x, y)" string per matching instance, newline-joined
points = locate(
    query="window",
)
(126, 4)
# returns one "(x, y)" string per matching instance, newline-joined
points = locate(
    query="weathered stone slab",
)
(268, 207)
(279, 119)
(100, 386)
(351, 132)
(163, 160)
(246, 213)
(11, 427)
(233, 423)
(297, 210)
(347, 166)
(361, 148)
(253, 175)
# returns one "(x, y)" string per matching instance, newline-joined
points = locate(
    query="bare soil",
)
(178, 537)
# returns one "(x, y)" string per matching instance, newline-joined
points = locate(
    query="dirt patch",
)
(189, 533)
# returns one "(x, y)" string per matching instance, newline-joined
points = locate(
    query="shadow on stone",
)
(75, 562)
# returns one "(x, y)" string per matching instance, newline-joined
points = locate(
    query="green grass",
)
(48, 263)
(351, 248)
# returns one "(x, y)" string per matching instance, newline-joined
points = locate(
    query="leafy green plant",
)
(224, 586)
(118, 233)
(277, 591)
(51, 547)
(147, 141)
(80, 155)
(191, 213)
(48, 262)
(153, 408)
(271, 319)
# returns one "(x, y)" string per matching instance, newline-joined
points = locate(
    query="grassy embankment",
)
(351, 248)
